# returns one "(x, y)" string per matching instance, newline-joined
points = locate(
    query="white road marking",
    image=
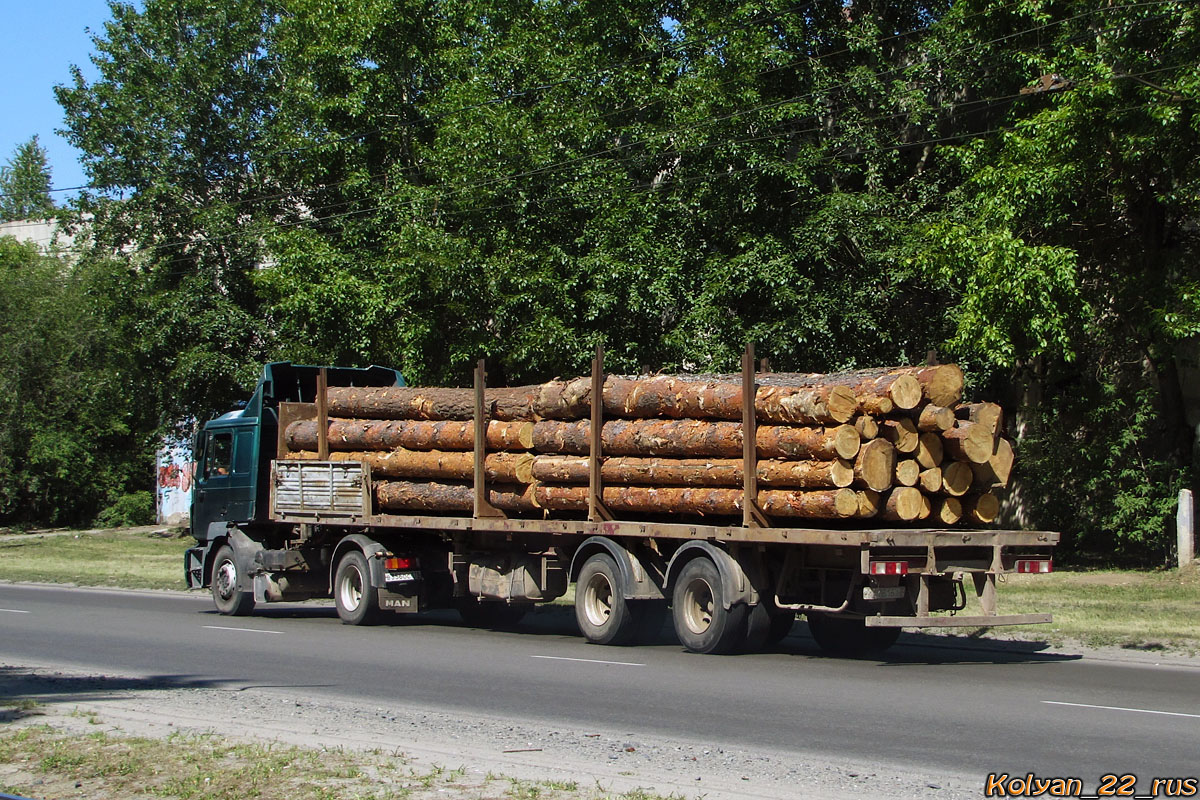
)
(13, 611)
(243, 630)
(1119, 708)
(591, 661)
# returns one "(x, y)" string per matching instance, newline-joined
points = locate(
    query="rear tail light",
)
(396, 562)
(889, 567)
(1035, 565)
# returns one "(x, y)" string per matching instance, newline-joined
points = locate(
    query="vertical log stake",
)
(752, 515)
(1185, 527)
(596, 510)
(322, 415)
(482, 507)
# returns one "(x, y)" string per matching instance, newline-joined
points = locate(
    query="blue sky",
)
(38, 44)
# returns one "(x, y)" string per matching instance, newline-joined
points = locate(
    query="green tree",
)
(25, 184)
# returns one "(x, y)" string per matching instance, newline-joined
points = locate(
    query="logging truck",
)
(731, 513)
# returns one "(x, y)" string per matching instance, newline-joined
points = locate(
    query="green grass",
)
(131, 559)
(44, 761)
(1147, 610)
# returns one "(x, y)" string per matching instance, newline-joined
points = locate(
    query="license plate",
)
(884, 592)
(400, 577)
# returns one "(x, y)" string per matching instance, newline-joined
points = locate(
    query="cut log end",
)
(875, 466)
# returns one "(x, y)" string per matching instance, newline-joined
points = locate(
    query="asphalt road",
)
(959, 709)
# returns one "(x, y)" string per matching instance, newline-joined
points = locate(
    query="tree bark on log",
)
(553, 400)
(360, 434)
(934, 419)
(969, 442)
(875, 465)
(456, 497)
(941, 384)
(677, 397)
(820, 504)
(693, 472)
(692, 438)
(435, 465)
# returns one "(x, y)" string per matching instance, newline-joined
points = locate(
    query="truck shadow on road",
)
(24, 690)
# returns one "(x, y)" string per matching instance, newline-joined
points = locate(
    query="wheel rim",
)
(598, 600)
(350, 590)
(698, 606)
(226, 579)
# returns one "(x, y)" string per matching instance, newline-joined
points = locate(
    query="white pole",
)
(1185, 527)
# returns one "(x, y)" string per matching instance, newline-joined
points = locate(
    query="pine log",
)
(555, 400)
(456, 497)
(436, 465)
(929, 450)
(998, 469)
(941, 384)
(989, 415)
(694, 471)
(876, 406)
(827, 504)
(904, 504)
(361, 434)
(981, 508)
(969, 442)
(690, 438)
(866, 426)
(947, 510)
(930, 480)
(902, 433)
(869, 503)
(879, 391)
(934, 419)
(957, 478)
(875, 465)
(908, 472)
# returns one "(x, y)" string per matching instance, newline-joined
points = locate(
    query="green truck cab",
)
(233, 452)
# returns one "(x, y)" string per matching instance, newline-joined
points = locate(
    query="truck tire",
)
(702, 623)
(849, 636)
(602, 612)
(226, 597)
(356, 599)
(494, 614)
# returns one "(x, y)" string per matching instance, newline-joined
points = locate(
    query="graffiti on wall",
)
(176, 471)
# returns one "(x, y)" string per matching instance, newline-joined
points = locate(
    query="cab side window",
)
(219, 458)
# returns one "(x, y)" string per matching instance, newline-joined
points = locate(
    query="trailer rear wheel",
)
(849, 636)
(226, 597)
(356, 599)
(766, 625)
(602, 612)
(702, 622)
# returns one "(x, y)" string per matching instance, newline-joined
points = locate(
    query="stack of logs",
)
(894, 444)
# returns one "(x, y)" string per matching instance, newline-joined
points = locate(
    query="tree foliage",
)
(25, 184)
(423, 184)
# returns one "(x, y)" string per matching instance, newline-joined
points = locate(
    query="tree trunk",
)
(989, 415)
(830, 504)
(902, 433)
(908, 472)
(930, 480)
(929, 452)
(969, 442)
(875, 465)
(934, 419)
(905, 504)
(869, 503)
(981, 508)
(423, 497)
(691, 438)
(998, 468)
(556, 400)
(693, 471)
(357, 434)
(947, 510)
(957, 478)
(435, 465)
(676, 397)
(866, 426)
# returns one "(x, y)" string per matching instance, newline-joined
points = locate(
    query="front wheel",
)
(226, 597)
(702, 622)
(356, 599)
(849, 636)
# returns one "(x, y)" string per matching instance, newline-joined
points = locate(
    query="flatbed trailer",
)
(269, 528)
